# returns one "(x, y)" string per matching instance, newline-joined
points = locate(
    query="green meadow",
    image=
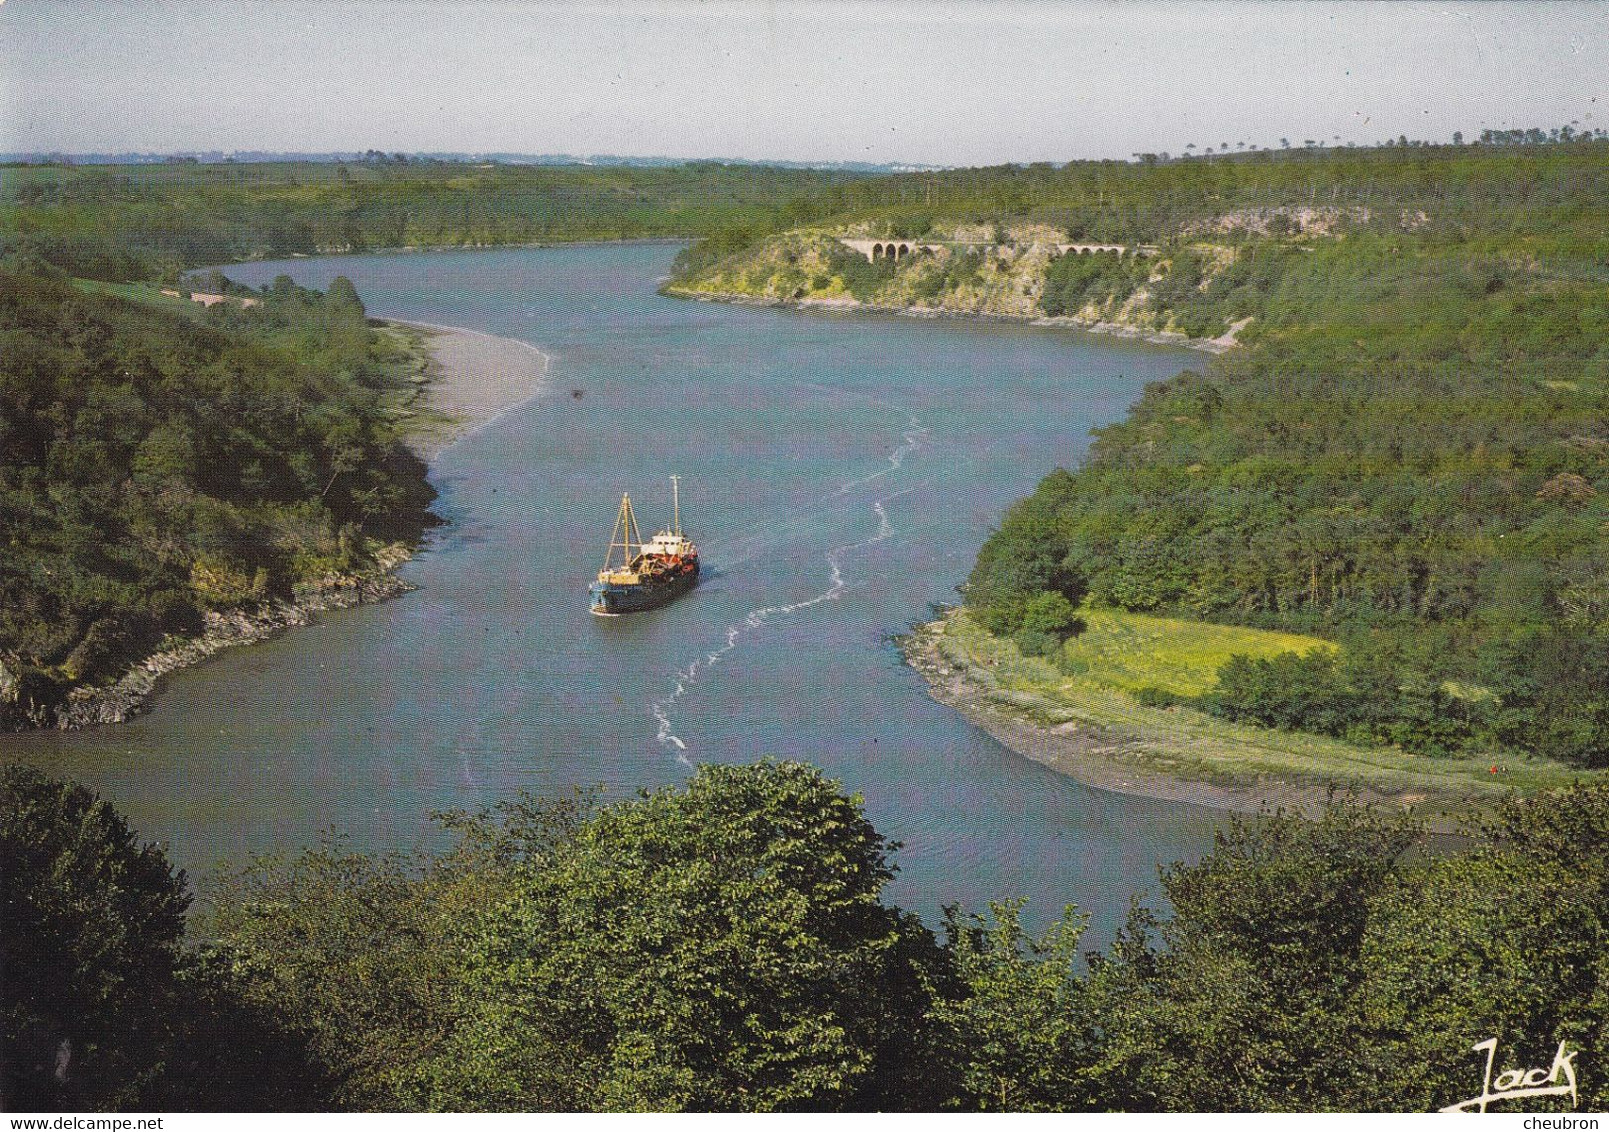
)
(146, 294)
(1133, 651)
(1120, 653)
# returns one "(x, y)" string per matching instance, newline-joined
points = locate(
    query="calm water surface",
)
(839, 473)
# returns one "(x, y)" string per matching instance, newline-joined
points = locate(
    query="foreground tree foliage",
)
(93, 921)
(1508, 940)
(101, 1007)
(1241, 999)
(1014, 1026)
(718, 947)
(723, 946)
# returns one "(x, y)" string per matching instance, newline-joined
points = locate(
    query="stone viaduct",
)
(875, 250)
(897, 250)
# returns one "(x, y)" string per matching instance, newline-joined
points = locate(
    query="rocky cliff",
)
(1028, 272)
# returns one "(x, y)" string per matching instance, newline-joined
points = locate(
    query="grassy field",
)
(147, 294)
(1129, 651)
(1091, 714)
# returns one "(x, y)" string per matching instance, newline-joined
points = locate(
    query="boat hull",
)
(610, 599)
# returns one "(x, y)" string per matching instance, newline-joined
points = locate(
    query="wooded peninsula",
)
(1405, 461)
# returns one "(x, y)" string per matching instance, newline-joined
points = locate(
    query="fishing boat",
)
(648, 574)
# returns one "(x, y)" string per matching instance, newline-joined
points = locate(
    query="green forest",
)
(149, 221)
(1154, 201)
(1409, 458)
(1408, 454)
(160, 462)
(724, 946)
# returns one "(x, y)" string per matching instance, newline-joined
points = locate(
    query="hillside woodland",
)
(152, 221)
(161, 464)
(1408, 454)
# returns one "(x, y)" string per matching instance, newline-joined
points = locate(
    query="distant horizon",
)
(263, 157)
(939, 84)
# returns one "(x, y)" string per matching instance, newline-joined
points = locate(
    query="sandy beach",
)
(476, 378)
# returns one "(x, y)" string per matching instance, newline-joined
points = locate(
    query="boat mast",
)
(625, 533)
(676, 504)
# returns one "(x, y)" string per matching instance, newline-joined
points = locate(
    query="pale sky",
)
(962, 83)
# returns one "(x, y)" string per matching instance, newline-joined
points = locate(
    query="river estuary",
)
(839, 472)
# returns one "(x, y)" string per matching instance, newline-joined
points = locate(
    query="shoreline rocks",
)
(1217, 345)
(474, 378)
(130, 695)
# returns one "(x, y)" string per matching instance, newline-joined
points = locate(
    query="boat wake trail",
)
(914, 435)
(755, 618)
(748, 544)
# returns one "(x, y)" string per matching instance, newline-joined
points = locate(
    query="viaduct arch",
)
(885, 249)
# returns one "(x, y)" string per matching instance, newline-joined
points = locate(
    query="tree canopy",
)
(726, 945)
(159, 462)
